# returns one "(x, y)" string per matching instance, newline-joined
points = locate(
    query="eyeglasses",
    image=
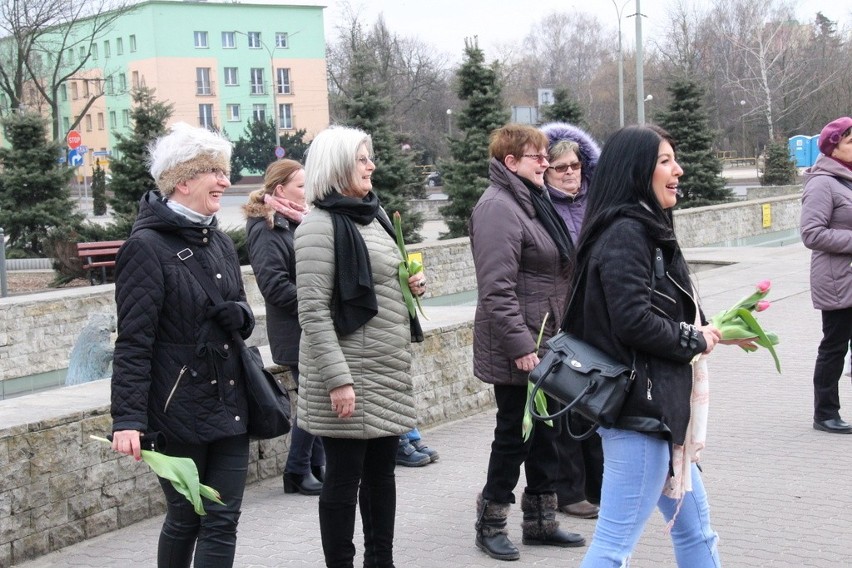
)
(537, 157)
(219, 173)
(364, 160)
(561, 169)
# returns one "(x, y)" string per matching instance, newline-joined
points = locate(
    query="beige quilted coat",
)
(375, 359)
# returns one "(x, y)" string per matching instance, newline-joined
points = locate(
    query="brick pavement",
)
(778, 489)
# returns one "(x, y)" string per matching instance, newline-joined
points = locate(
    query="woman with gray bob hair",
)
(355, 388)
(174, 369)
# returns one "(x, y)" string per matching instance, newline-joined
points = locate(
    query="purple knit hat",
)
(830, 136)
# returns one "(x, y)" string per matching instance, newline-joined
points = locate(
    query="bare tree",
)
(40, 39)
(408, 74)
(767, 60)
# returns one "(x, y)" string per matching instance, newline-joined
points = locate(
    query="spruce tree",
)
(687, 122)
(466, 173)
(130, 176)
(780, 168)
(395, 179)
(256, 148)
(99, 190)
(35, 195)
(563, 109)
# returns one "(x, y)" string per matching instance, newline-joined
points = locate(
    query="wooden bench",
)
(97, 257)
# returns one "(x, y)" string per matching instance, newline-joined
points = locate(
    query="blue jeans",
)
(636, 467)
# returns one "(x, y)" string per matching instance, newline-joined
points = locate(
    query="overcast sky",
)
(445, 23)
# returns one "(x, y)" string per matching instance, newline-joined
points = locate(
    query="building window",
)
(88, 123)
(110, 85)
(112, 121)
(205, 116)
(258, 112)
(107, 50)
(200, 39)
(94, 51)
(282, 39)
(132, 43)
(228, 40)
(66, 124)
(63, 92)
(74, 94)
(100, 121)
(134, 79)
(85, 89)
(122, 82)
(234, 113)
(283, 81)
(257, 81)
(231, 77)
(285, 116)
(254, 40)
(202, 81)
(125, 117)
(119, 46)
(82, 51)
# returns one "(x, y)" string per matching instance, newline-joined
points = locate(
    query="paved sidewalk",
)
(779, 491)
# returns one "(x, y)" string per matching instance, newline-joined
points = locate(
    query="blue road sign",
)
(280, 152)
(82, 150)
(74, 158)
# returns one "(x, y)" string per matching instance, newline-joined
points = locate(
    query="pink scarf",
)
(290, 209)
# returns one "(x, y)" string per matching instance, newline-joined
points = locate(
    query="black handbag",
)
(268, 399)
(586, 380)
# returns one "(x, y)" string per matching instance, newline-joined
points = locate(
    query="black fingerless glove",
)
(230, 316)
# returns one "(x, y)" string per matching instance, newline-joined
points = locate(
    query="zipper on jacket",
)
(648, 390)
(174, 388)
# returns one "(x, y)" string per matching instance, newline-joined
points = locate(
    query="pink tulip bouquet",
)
(738, 322)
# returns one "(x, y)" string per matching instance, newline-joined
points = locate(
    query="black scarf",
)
(353, 301)
(553, 223)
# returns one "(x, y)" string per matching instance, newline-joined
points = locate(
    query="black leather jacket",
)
(174, 370)
(618, 311)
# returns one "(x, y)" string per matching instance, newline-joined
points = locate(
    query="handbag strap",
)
(206, 281)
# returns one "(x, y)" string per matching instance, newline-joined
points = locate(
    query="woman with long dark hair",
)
(635, 301)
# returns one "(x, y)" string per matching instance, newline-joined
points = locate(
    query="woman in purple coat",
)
(827, 230)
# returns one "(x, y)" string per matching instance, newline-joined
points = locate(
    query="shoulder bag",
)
(268, 399)
(584, 378)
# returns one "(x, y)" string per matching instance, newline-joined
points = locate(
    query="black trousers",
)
(358, 472)
(580, 471)
(836, 339)
(509, 451)
(222, 465)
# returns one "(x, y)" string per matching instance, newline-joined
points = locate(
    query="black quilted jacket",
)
(175, 371)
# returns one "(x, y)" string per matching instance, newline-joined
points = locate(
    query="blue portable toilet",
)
(814, 148)
(800, 150)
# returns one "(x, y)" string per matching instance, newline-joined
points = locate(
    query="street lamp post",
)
(742, 118)
(449, 123)
(275, 116)
(640, 72)
(619, 12)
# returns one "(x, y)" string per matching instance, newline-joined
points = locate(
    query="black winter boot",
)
(540, 526)
(491, 534)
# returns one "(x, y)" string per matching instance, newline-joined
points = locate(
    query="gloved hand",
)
(229, 315)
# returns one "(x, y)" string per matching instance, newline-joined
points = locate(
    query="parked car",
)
(434, 179)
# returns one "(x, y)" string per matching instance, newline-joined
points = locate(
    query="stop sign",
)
(74, 139)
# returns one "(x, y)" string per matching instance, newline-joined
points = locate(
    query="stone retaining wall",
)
(59, 487)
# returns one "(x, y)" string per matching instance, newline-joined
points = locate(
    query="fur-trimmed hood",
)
(590, 152)
(259, 209)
